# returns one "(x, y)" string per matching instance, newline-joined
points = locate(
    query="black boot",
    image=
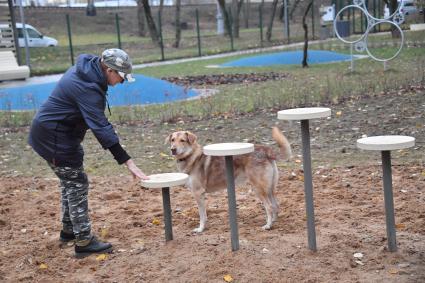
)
(93, 247)
(66, 237)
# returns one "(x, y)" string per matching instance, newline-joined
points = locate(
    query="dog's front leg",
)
(200, 200)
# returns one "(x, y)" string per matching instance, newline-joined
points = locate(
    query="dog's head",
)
(182, 143)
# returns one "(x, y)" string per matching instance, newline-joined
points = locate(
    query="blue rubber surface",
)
(144, 90)
(288, 58)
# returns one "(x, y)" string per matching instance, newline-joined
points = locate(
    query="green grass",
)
(308, 86)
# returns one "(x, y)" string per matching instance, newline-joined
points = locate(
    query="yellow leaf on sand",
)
(104, 232)
(156, 221)
(101, 257)
(42, 266)
(339, 113)
(228, 278)
(400, 226)
(301, 178)
(393, 271)
(163, 154)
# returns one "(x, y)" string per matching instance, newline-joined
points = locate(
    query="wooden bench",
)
(9, 69)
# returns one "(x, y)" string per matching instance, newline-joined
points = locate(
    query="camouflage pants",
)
(74, 188)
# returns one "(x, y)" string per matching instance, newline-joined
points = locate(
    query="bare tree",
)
(421, 5)
(141, 18)
(236, 11)
(161, 6)
(291, 13)
(246, 14)
(178, 26)
(305, 27)
(392, 6)
(270, 26)
(150, 22)
(222, 4)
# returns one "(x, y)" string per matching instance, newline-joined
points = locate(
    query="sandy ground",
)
(349, 219)
(349, 209)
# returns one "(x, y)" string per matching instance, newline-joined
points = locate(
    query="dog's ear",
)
(168, 139)
(190, 137)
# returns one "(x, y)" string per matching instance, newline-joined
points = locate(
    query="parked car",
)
(35, 38)
(407, 7)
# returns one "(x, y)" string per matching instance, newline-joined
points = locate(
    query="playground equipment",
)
(385, 144)
(165, 181)
(9, 69)
(361, 44)
(306, 114)
(228, 150)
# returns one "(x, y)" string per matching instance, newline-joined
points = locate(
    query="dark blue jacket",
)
(76, 104)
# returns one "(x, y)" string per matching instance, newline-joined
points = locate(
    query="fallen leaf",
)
(163, 154)
(43, 266)
(339, 113)
(228, 278)
(101, 257)
(400, 226)
(104, 233)
(301, 178)
(156, 221)
(393, 271)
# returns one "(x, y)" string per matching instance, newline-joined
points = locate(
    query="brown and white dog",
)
(207, 173)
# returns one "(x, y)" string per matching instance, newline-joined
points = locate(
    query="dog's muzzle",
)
(174, 151)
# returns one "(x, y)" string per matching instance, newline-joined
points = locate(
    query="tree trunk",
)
(291, 13)
(246, 14)
(178, 26)
(270, 27)
(235, 18)
(239, 13)
(161, 6)
(150, 22)
(222, 4)
(236, 11)
(392, 6)
(141, 19)
(305, 27)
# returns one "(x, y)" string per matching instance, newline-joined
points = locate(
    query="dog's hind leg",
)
(272, 195)
(263, 182)
(268, 206)
(262, 194)
(200, 200)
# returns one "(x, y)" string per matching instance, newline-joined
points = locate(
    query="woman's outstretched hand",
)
(135, 171)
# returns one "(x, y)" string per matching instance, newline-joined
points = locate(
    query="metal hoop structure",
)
(335, 23)
(361, 44)
(399, 49)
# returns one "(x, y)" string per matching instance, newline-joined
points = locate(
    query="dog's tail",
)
(285, 147)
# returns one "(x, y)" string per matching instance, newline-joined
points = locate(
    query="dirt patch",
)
(223, 79)
(349, 219)
(348, 194)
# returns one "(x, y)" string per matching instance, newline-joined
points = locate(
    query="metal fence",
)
(119, 27)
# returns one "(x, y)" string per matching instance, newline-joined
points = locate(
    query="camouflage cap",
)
(119, 61)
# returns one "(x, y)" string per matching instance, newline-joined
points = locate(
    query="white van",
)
(35, 38)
